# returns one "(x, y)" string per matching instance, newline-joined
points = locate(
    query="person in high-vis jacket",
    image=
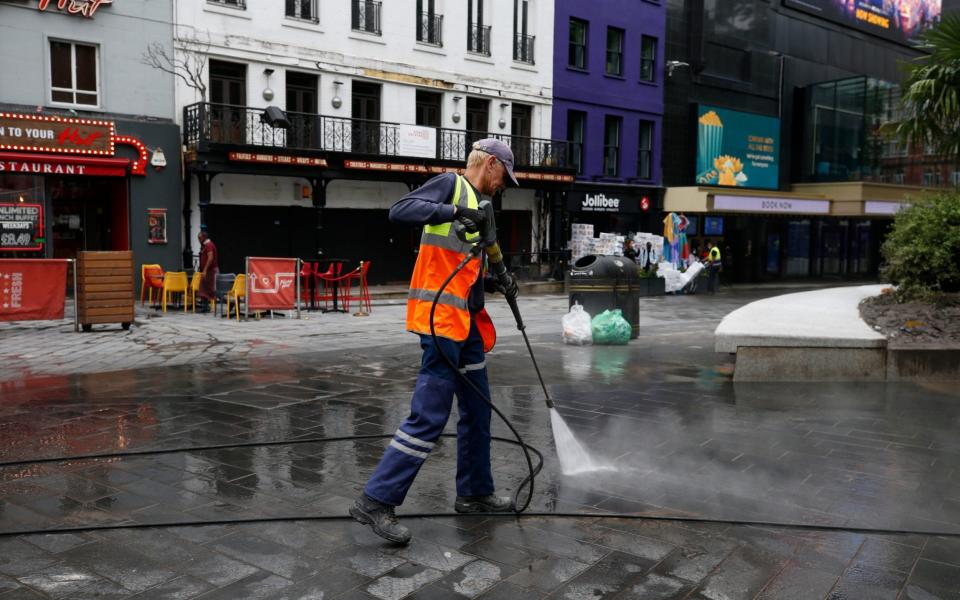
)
(464, 333)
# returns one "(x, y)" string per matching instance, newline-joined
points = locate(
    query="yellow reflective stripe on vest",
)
(463, 197)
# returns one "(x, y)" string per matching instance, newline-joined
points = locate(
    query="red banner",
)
(271, 283)
(32, 289)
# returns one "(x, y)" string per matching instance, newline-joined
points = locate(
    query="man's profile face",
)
(497, 175)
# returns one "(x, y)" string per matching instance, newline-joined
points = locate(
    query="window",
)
(305, 10)
(428, 108)
(365, 16)
(522, 43)
(648, 58)
(241, 4)
(576, 133)
(578, 44)
(74, 74)
(478, 34)
(645, 152)
(429, 23)
(611, 146)
(614, 51)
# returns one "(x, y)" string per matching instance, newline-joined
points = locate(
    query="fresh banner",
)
(737, 149)
(32, 289)
(271, 283)
(897, 20)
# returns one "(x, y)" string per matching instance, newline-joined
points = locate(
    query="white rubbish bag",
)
(576, 327)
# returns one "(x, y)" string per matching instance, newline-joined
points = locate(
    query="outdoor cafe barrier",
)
(34, 289)
(272, 284)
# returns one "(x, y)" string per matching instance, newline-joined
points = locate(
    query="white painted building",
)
(361, 59)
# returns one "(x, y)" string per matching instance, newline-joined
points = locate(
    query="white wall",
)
(262, 37)
(121, 31)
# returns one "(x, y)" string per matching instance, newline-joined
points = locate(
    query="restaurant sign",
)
(21, 226)
(61, 135)
(85, 8)
(607, 202)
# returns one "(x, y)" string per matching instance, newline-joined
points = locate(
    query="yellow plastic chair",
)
(151, 278)
(175, 283)
(239, 290)
(193, 289)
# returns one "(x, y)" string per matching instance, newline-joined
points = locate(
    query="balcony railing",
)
(365, 16)
(478, 39)
(430, 28)
(304, 10)
(523, 48)
(206, 124)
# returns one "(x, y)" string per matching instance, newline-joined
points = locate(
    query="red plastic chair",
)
(307, 281)
(328, 283)
(362, 295)
(151, 278)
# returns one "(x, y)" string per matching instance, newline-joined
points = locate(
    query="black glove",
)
(510, 290)
(471, 218)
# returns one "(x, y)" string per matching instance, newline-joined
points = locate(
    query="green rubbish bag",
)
(610, 328)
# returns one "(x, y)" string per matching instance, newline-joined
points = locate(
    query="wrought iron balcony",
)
(430, 28)
(365, 16)
(478, 39)
(523, 47)
(208, 126)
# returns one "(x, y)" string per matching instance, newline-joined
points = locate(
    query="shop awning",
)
(46, 164)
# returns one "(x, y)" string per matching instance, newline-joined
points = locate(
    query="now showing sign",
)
(761, 204)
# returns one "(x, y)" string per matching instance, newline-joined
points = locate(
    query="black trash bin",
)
(600, 283)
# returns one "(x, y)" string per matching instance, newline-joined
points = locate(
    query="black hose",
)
(567, 515)
(531, 471)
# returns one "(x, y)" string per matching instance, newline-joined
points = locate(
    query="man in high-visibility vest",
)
(464, 333)
(713, 255)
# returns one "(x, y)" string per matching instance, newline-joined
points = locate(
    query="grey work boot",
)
(381, 518)
(483, 504)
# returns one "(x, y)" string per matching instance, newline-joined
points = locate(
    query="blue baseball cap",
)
(501, 150)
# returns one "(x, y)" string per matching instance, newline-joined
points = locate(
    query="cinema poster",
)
(898, 20)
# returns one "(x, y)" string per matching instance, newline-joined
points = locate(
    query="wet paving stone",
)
(681, 439)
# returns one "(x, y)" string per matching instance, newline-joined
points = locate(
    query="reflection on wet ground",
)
(683, 438)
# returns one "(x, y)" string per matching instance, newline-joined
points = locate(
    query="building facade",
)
(776, 149)
(608, 103)
(318, 116)
(88, 143)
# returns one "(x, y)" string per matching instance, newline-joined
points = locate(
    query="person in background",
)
(629, 251)
(713, 264)
(209, 268)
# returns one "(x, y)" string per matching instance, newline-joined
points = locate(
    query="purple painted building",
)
(608, 100)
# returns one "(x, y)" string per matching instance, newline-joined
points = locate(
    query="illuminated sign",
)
(370, 165)
(770, 205)
(21, 226)
(737, 149)
(62, 135)
(897, 20)
(76, 7)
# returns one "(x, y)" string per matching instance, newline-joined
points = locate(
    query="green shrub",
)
(922, 251)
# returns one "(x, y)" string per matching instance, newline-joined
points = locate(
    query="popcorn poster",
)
(737, 149)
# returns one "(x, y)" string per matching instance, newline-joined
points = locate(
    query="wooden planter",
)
(105, 288)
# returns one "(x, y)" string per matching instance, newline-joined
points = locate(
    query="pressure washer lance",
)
(488, 242)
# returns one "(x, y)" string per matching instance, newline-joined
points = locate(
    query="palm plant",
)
(930, 97)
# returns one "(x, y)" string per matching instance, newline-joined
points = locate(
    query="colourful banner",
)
(32, 289)
(271, 283)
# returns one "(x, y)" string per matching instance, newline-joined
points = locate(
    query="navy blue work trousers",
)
(429, 411)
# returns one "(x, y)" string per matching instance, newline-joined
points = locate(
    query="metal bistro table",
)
(337, 264)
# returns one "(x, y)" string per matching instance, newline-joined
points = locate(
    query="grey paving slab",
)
(681, 437)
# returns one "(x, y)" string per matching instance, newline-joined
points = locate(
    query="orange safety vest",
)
(440, 253)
